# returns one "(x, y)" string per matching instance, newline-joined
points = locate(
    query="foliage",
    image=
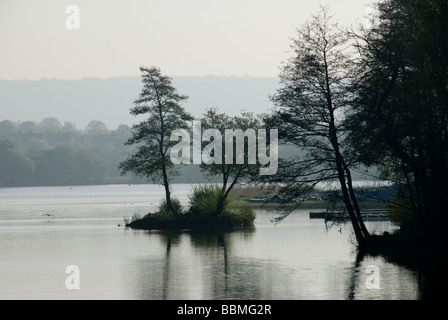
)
(61, 165)
(204, 200)
(16, 169)
(107, 147)
(176, 207)
(50, 125)
(243, 216)
(400, 212)
(315, 93)
(231, 171)
(7, 127)
(96, 127)
(67, 165)
(36, 145)
(135, 217)
(400, 120)
(160, 102)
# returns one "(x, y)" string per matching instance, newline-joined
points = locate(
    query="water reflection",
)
(195, 265)
(296, 259)
(394, 282)
(232, 266)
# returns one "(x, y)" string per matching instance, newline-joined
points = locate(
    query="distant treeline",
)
(50, 153)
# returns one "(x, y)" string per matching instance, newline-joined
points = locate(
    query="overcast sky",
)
(182, 37)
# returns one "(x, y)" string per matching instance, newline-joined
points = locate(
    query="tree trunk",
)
(225, 178)
(225, 191)
(166, 185)
(355, 217)
(360, 237)
(364, 230)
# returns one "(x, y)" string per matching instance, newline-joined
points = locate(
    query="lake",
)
(43, 230)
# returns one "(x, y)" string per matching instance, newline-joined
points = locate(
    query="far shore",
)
(308, 204)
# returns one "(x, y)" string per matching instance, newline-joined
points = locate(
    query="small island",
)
(203, 213)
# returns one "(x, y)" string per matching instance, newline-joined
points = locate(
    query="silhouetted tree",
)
(239, 167)
(161, 103)
(401, 112)
(310, 107)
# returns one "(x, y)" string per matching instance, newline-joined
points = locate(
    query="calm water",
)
(43, 230)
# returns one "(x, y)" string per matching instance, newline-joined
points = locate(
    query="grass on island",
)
(200, 215)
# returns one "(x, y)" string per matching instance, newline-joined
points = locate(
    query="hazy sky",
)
(182, 37)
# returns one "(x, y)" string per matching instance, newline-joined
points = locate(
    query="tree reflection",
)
(395, 281)
(353, 278)
(238, 265)
(194, 265)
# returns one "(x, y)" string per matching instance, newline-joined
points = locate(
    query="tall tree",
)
(401, 112)
(160, 102)
(310, 106)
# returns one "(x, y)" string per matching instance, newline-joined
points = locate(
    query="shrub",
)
(202, 214)
(156, 220)
(242, 217)
(161, 219)
(177, 207)
(247, 214)
(204, 200)
(136, 216)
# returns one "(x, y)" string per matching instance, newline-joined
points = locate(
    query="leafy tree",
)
(16, 169)
(69, 127)
(7, 127)
(66, 165)
(160, 102)
(314, 96)
(400, 120)
(123, 129)
(28, 127)
(235, 169)
(50, 125)
(95, 127)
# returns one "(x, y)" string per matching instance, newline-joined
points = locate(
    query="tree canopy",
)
(400, 116)
(311, 104)
(160, 102)
(222, 133)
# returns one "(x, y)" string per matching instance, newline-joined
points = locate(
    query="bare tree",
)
(314, 95)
